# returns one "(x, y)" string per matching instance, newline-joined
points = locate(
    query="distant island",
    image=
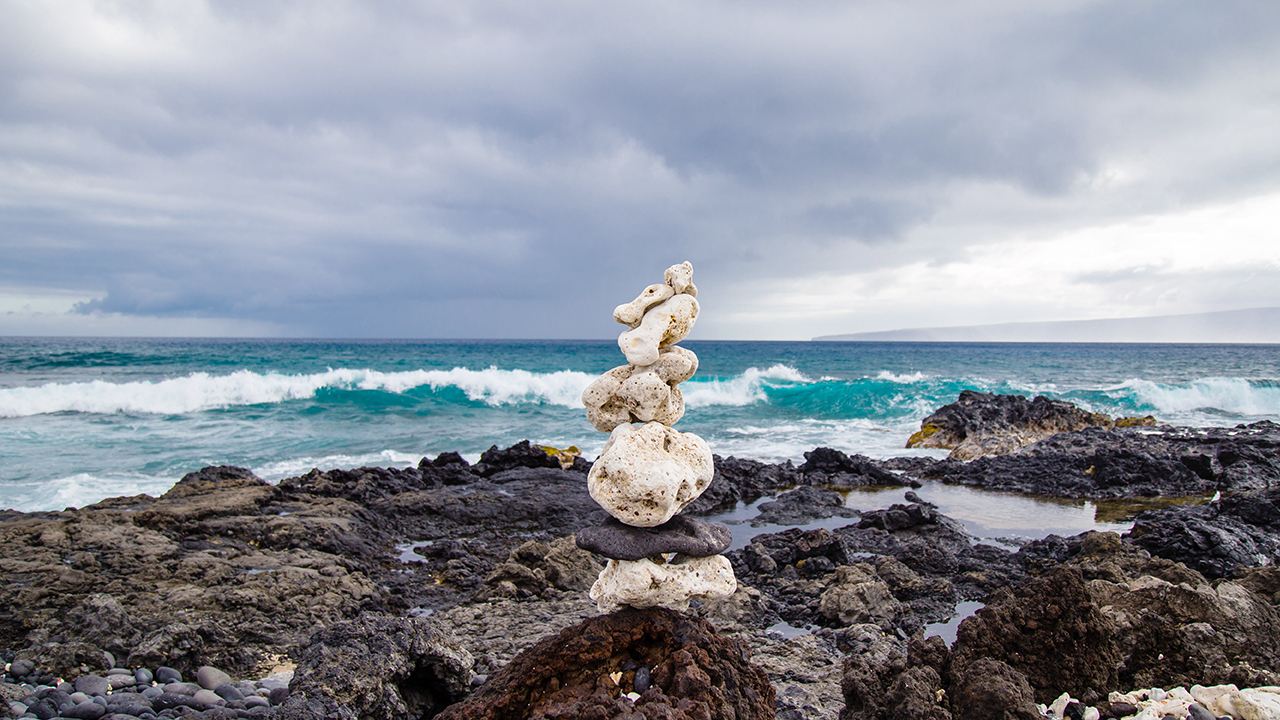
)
(1259, 325)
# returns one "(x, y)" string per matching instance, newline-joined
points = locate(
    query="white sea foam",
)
(1234, 396)
(745, 389)
(293, 467)
(790, 440)
(82, 489)
(201, 391)
(902, 378)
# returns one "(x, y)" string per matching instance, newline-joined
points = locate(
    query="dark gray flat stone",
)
(680, 534)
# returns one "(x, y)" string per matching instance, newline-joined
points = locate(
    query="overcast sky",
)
(512, 169)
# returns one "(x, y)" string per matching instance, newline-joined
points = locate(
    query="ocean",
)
(86, 419)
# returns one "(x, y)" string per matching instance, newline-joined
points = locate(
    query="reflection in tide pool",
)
(989, 514)
(947, 630)
(1008, 518)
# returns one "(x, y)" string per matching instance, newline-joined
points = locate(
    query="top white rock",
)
(680, 278)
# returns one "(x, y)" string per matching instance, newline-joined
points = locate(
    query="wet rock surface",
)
(1218, 537)
(1129, 462)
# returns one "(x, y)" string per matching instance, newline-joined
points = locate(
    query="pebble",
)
(642, 680)
(87, 710)
(182, 688)
(127, 694)
(278, 695)
(208, 697)
(1196, 711)
(211, 677)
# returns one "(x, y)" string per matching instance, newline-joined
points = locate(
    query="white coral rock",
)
(647, 473)
(680, 278)
(631, 313)
(666, 323)
(631, 394)
(645, 583)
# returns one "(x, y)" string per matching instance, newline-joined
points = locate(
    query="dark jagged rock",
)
(827, 466)
(801, 505)
(1217, 537)
(524, 455)
(741, 480)
(534, 567)
(244, 568)
(694, 673)
(982, 424)
(1130, 462)
(378, 666)
(1103, 614)
(681, 534)
(924, 561)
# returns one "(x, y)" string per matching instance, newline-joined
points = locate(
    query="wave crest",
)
(1222, 394)
(745, 389)
(201, 391)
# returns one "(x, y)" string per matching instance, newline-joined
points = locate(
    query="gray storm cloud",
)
(498, 169)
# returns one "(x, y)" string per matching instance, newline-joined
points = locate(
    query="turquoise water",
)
(84, 419)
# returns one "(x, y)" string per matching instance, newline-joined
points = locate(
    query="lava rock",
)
(1215, 538)
(695, 673)
(1050, 631)
(802, 505)
(989, 688)
(839, 469)
(982, 424)
(378, 666)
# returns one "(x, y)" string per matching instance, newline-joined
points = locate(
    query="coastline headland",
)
(397, 592)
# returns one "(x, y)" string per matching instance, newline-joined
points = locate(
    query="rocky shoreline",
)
(399, 592)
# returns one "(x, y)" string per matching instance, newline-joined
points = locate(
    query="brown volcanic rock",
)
(693, 673)
(1050, 630)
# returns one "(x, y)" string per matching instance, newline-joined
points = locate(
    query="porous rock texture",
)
(679, 665)
(647, 473)
(1101, 615)
(631, 394)
(666, 323)
(644, 583)
(377, 666)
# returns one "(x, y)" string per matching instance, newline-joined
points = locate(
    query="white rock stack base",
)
(648, 472)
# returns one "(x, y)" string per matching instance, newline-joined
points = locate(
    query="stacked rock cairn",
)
(647, 472)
